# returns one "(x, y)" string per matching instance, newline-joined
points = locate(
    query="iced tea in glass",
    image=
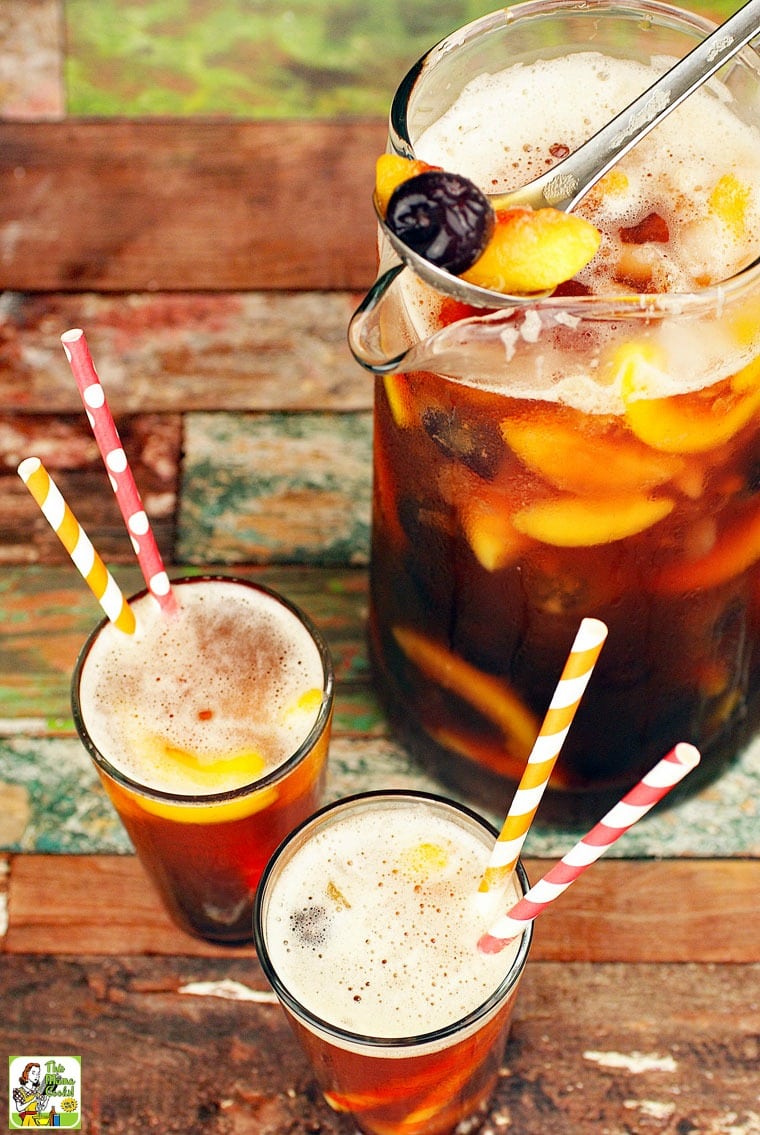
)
(593, 453)
(366, 924)
(209, 730)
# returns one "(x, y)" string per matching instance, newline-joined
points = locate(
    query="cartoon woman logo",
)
(31, 1100)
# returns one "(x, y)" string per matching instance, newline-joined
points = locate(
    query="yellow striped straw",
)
(76, 542)
(575, 676)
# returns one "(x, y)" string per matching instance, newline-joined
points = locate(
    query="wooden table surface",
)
(213, 265)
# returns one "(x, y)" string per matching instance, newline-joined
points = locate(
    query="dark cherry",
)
(443, 217)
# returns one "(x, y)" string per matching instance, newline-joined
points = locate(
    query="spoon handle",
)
(564, 185)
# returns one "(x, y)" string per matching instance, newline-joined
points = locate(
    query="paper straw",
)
(117, 466)
(76, 542)
(635, 804)
(543, 756)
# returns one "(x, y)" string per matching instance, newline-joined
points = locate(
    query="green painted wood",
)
(52, 802)
(312, 58)
(276, 488)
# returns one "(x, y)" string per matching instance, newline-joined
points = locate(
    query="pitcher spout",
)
(369, 332)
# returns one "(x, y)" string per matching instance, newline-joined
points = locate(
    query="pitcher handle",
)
(364, 328)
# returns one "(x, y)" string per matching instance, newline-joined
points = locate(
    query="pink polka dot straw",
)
(635, 804)
(117, 467)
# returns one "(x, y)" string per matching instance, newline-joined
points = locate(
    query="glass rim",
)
(274, 776)
(645, 305)
(337, 1033)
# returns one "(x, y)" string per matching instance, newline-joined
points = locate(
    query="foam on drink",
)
(695, 180)
(373, 923)
(207, 700)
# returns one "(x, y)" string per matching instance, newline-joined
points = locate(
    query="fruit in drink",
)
(447, 220)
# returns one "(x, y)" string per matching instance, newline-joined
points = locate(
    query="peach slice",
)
(212, 773)
(681, 423)
(736, 550)
(502, 758)
(390, 171)
(491, 696)
(400, 400)
(729, 201)
(424, 860)
(532, 250)
(586, 457)
(494, 541)
(575, 522)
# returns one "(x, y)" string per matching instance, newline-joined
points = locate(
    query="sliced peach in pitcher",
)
(532, 250)
(736, 550)
(385, 495)
(491, 696)
(400, 400)
(498, 757)
(584, 456)
(681, 423)
(487, 524)
(577, 522)
(390, 171)
(730, 200)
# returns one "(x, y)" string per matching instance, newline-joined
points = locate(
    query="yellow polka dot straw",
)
(76, 542)
(575, 676)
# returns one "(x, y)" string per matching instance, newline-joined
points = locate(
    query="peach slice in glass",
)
(730, 201)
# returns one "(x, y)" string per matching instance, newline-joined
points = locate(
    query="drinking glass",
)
(204, 841)
(411, 1078)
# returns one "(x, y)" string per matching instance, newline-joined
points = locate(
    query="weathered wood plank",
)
(188, 204)
(252, 488)
(276, 488)
(153, 443)
(621, 911)
(653, 1048)
(169, 353)
(31, 68)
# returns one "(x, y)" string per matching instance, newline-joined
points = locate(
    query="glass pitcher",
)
(584, 454)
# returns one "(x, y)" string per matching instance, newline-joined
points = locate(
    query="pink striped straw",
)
(117, 467)
(570, 689)
(635, 804)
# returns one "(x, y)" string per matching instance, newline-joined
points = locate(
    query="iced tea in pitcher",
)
(592, 453)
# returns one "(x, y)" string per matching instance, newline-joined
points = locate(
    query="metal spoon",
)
(563, 186)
